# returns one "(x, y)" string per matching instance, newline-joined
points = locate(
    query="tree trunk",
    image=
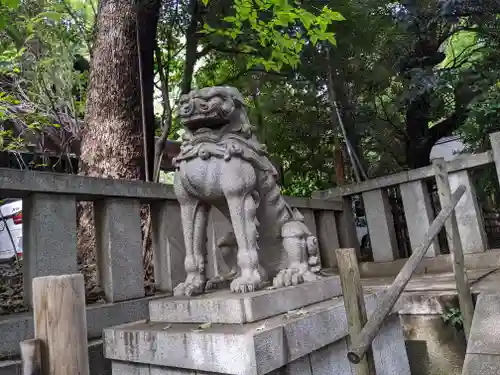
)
(192, 40)
(112, 137)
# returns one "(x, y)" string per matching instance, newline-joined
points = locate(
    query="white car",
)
(11, 228)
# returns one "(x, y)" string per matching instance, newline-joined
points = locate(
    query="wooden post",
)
(354, 303)
(31, 357)
(362, 342)
(61, 324)
(455, 245)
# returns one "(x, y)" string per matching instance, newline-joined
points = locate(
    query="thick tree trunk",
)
(112, 137)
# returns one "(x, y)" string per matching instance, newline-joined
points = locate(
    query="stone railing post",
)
(218, 227)
(418, 213)
(49, 238)
(380, 225)
(469, 215)
(119, 248)
(168, 245)
(328, 237)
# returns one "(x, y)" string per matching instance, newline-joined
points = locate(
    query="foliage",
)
(41, 92)
(280, 26)
(403, 75)
(453, 316)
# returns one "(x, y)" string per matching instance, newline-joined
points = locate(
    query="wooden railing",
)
(50, 245)
(419, 213)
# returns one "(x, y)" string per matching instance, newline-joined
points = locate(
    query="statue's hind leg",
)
(194, 216)
(302, 253)
(238, 181)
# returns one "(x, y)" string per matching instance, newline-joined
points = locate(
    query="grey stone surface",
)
(495, 148)
(439, 264)
(49, 238)
(380, 225)
(389, 351)
(315, 204)
(326, 359)
(21, 183)
(127, 368)
(168, 245)
(481, 364)
(331, 359)
(119, 248)
(227, 307)
(157, 370)
(484, 337)
(328, 238)
(14, 329)
(469, 214)
(218, 227)
(301, 366)
(418, 213)
(222, 164)
(310, 222)
(458, 164)
(253, 348)
(425, 303)
(433, 346)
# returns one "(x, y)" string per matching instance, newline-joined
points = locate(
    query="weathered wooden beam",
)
(354, 303)
(455, 246)
(61, 324)
(363, 341)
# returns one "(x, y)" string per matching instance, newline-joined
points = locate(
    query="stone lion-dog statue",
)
(223, 165)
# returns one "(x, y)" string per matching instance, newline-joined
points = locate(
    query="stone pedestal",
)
(300, 330)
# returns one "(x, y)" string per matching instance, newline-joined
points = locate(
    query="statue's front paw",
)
(193, 286)
(287, 277)
(247, 283)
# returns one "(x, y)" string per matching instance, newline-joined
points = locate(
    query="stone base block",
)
(483, 347)
(389, 354)
(308, 341)
(234, 308)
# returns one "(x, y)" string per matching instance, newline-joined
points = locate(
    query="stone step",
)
(248, 349)
(235, 308)
(483, 347)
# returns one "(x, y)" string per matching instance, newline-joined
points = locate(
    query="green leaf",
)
(333, 16)
(54, 16)
(12, 4)
(205, 2)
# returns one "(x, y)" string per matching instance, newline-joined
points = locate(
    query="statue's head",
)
(209, 107)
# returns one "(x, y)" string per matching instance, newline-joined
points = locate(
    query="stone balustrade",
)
(417, 206)
(50, 246)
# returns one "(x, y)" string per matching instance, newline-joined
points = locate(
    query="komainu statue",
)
(223, 165)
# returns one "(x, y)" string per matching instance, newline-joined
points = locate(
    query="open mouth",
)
(198, 121)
